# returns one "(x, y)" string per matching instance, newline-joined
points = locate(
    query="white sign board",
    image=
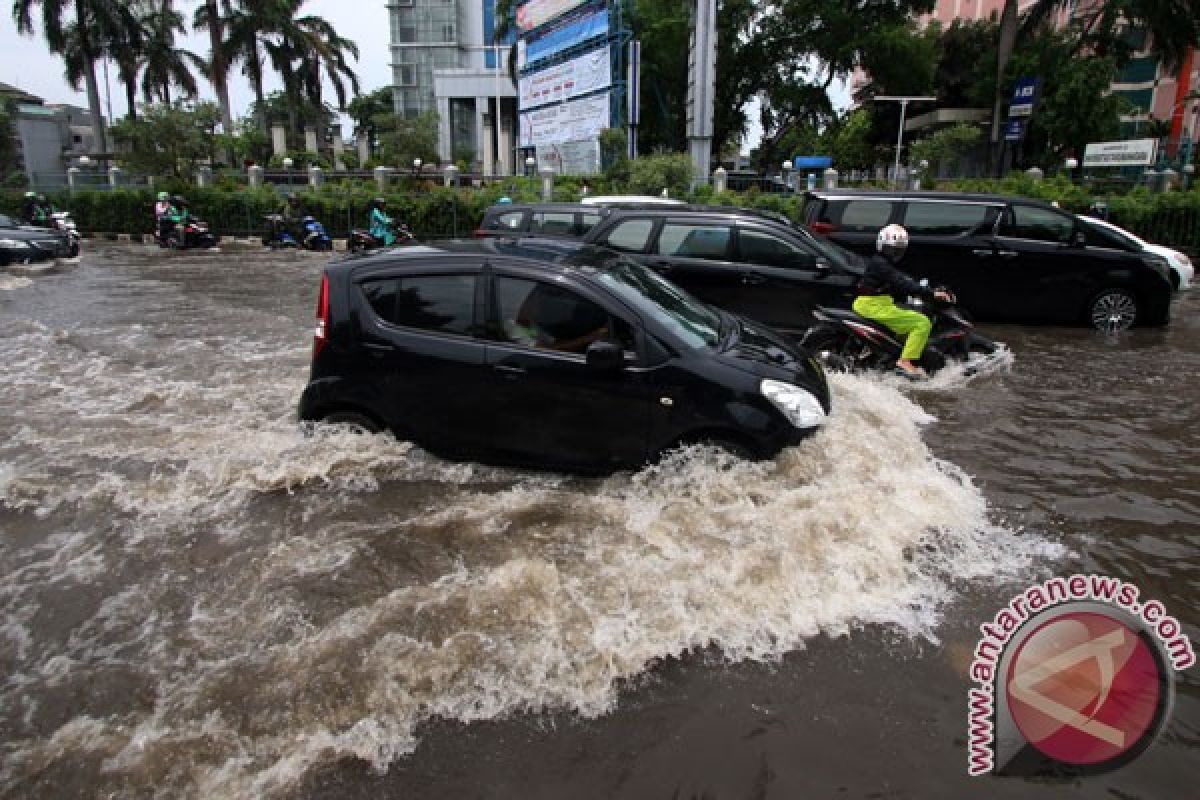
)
(572, 121)
(1132, 153)
(571, 158)
(578, 76)
(536, 13)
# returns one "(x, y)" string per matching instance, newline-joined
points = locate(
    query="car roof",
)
(542, 251)
(616, 199)
(544, 207)
(698, 210)
(965, 197)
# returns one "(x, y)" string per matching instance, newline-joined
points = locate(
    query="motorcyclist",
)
(381, 224)
(879, 282)
(162, 208)
(293, 216)
(177, 216)
(45, 212)
(29, 208)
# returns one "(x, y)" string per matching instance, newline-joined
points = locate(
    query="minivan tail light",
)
(321, 332)
(822, 228)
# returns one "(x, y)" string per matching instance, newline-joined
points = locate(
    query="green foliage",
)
(403, 139)
(946, 146)
(652, 174)
(167, 140)
(10, 170)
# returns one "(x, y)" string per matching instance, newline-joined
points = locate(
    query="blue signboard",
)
(1014, 130)
(1024, 97)
(573, 33)
(812, 162)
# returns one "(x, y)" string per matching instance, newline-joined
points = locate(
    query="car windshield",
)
(688, 318)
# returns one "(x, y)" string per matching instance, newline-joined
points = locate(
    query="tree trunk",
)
(1008, 40)
(220, 69)
(99, 137)
(131, 97)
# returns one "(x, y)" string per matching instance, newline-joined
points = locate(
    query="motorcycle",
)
(192, 234)
(361, 240)
(277, 235)
(315, 237)
(63, 222)
(844, 341)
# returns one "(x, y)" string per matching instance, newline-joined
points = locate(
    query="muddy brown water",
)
(201, 600)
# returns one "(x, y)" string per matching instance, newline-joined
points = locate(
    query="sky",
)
(26, 62)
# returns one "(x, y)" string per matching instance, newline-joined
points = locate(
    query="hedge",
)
(433, 211)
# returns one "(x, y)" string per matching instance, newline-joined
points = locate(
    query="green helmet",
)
(164, 196)
(31, 194)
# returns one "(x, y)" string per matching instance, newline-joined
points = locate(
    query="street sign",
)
(1014, 130)
(812, 162)
(1024, 97)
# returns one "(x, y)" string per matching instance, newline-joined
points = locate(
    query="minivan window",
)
(763, 248)
(694, 241)
(444, 303)
(866, 215)
(589, 221)
(632, 235)
(943, 219)
(554, 223)
(542, 315)
(1041, 224)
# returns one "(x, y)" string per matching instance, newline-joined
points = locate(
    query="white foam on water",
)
(10, 283)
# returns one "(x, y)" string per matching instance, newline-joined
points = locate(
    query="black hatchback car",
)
(1007, 258)
(548, 353)
(752, 263)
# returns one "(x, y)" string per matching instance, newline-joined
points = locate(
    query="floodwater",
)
(199, 600)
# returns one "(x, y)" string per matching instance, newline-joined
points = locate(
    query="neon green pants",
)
(912, 325)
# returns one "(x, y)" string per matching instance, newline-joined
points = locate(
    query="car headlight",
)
(800, 407)
(13, 244)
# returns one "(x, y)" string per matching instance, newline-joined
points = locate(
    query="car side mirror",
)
(603, 356)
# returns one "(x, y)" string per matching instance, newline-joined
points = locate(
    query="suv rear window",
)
(444, 303)
(864, 215)
(508, 221)
(631, 235)
(694, 241)
(943, 219)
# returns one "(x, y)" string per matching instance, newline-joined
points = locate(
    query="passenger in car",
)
(881, 280)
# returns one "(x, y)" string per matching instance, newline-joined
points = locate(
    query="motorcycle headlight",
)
(798, 405)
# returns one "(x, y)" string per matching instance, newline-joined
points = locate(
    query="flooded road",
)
(200, 600)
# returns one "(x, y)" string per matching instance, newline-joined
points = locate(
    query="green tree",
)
(164, 63)
(10, 171)
(402, 139)
(168, 140)
(366, 108)
(946, 146)
(209, 18)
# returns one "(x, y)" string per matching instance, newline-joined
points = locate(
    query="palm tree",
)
(249, 25)
(164, 64)
(209, 17)
(124, 44)
(77, 24)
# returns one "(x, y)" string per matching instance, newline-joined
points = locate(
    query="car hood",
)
(760, 351)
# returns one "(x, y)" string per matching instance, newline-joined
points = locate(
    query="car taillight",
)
(480, 233)
(822, 228)
(321, 333)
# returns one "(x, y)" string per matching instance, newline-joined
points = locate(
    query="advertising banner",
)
(1132, 153)
(574, 120)
(573, 78)
(555, 41)
(571, 158)
(536, 13)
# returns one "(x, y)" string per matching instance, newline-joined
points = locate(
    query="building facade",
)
(445, 60)
(50, 136)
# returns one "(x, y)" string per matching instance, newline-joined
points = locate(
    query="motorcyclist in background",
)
(381, 224)
(162, 211)
(45, 212)
(881, 280)
(29, 208)
(293, 216)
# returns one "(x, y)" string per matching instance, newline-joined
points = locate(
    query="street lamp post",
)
(1069, 165)
(416, 167)
(787, 175)
(287, 165)
(903, 100)
(1188, 171)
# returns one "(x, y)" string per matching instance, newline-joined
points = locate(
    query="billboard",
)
(536, 13)
(574, 120)
(571, 158)
(1131, 153)
(579, 76)
(562, 38)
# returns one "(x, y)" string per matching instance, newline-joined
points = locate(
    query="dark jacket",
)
(882, 277)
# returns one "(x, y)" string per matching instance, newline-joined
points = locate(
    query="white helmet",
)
(892, 241)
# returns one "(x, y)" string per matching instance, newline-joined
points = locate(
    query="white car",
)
(1182, 271)
(621, 199)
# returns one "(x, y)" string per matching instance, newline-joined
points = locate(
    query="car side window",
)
(631, 235)
(1040, 224)
(553, 223)
(442, 303)
(694, 241)
(548, 317)
(508, 221)
(943, 219)
(865, 215)
(588, 221)
(758, 247)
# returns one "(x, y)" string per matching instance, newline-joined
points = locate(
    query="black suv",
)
(752, 263)
(548, 353)
(25, 244)
(1007, 258)
(569, 220)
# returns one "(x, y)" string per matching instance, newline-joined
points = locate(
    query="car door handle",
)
(984, 253)
(509, 373)
(753, 279)
(1007, 253)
